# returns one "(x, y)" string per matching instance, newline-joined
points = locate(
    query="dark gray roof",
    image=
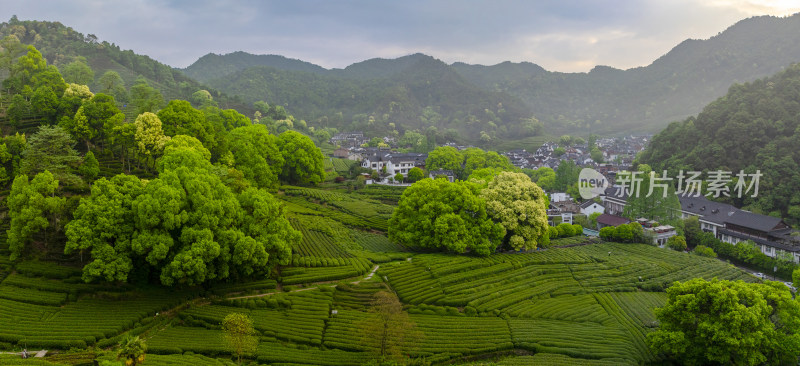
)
(721, 213)
(784, 246)
(441, 172)
(587, 203)
(612, 220)
(711, 211)
(755, 221)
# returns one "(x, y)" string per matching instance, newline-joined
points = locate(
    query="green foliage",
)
(78, 72)
(482, 177)
(180, 118)
(415, 92)
(728, 323)
(651, 202)
(33, 208)
(145, 97)
(677, 242)
(742, 131)
(796, 278)
(475, 158)
(239, 334)
(112, 84)
(84, 322)
(445, 157)
(566, 176)
(435, 214)
(704, 251)
(691, 230)
(256, 155)
(608, 233)
(185, 224)
(518, 204)
(132, 350)
(415, 174)
(149, 134)
(202, 98)
(565, 230)
(596, 154)
(552, 232)
(90, 167)
(302, 160)
(749, 254)
(593, 219)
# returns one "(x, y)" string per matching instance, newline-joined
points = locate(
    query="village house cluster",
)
(618, 154)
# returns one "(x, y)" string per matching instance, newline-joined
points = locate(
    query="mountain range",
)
(473, 103)
(605, 100)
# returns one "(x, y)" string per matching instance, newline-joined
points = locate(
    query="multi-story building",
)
(729, 224)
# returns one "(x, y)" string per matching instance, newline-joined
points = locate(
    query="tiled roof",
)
(611, 220)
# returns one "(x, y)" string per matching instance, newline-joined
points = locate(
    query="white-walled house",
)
(394, 162)
(730, 224)
(589, 207)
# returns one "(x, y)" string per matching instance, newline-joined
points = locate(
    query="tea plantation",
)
(583, 305)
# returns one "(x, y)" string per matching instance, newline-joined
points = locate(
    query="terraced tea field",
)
(584, 305)
(564, 306)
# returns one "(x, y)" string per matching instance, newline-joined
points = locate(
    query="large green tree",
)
(186, 225)
(239, 335)
(519, 205)
(78, 72)
(33, 208)
(302, 160)
(475, 158)
(445, 157)
(144, 97)
(149, 135)
(437, 214)
(415, 174)
(51, 149)
(388, 329)
(95, 120)
(728, 323)
(112, 84)
(256, 154)
(180, 118)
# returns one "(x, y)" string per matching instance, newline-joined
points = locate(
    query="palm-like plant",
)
(132, 350)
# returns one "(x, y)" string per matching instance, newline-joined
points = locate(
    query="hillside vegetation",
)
(756, 126)
(605, 100)
(61, 45)
(415, 92)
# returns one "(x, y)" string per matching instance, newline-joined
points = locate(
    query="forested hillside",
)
(415, 92)
(676, 85)
(756, 126)
(61, 46)
(605, 100)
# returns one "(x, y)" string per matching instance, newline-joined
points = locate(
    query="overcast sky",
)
(561, 35)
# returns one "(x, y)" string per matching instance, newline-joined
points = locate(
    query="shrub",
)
(578, 229)
(565, 230)
(553, 232)
(623, 233)
(704, 251)
(608, 233)
(677, 242)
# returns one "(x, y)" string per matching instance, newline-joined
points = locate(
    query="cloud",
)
(566, 35)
